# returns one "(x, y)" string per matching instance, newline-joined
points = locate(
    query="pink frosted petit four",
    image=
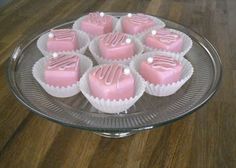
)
(97, 23)
(136, 23)
(164, 39)
(161, 70)
(62, 40)
(116, 46)
(62, 70)
(111, 81)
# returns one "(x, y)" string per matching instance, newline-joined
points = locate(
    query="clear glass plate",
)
(147, 113)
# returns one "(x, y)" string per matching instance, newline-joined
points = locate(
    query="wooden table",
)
(204, 139)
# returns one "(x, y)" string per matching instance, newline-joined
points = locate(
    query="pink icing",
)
(95, 24)
(110, 82)
(163, 70)
(62, 70)
(166, 40)
(62, 40)
(137, 23)
(114, 46)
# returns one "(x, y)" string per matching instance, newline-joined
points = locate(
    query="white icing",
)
(128, 41)
(150, 60)
(50, 35)
(54, 55)
(129, 15)
(126, 71)
(101, 14)
(154, 32)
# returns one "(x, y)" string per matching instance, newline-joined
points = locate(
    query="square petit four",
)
(164, 39)
(62, 40)
(161, 70)
(116, 46)
(62, 70)
(97, 23)
(111, 81)
(136, 23)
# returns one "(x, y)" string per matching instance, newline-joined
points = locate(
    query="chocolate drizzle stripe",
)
(63, 35)
(62, 63)
(163, 63)
(67, 65)
(166, 38)
(96, 18)
(60, 59)
(114, 39)
(109, 74)
(140, 19)
(110, 77)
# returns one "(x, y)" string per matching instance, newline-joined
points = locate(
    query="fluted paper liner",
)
(76, 25)
(164, 89)
(38, 73)
(83, 42)
(112, 106)
(159, 24)
(187, 43)
(95, 51)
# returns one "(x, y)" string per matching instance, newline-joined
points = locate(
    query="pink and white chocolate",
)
(111, 81)
(62, 40)
(161, 70)
(136, 23)
(62, 70)
(115, 46)
(164, 39)
(97, 24)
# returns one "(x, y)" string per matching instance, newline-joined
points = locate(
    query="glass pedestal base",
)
(115, 135)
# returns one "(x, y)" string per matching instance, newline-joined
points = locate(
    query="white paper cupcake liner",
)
(169, 89)
(83, 42)
(187, 43)
(95, 51)
(159, 24)
(76, 25)
(112, 106)
(62, 92)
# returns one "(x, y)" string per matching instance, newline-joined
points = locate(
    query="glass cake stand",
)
(149, 111)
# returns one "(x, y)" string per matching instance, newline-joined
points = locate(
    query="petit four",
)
(116, 46)
(112, 82)
(62, 70)
(97, 23)
(136, 23)
(62, 40)
(164, 39)
(161, 70)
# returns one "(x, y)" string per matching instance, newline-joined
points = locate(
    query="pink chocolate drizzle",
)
(166, 37)
(62, 62)
(97, 19)
(63, 34)
(114, 39)
(140, 19)
(163, 63)
(109, 73)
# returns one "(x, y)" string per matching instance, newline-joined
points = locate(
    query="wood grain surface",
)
(205, 139)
